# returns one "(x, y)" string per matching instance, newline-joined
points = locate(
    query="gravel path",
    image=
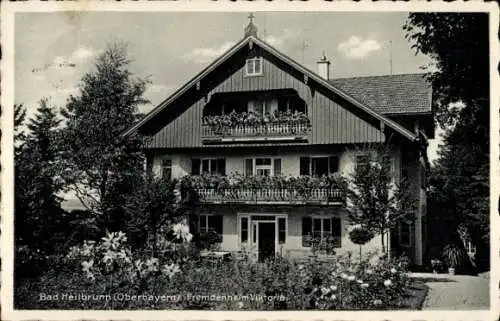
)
(456, 292)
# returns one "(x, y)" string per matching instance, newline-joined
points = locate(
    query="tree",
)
(38, 214)
(459, 186)
(373, 199)
(101, 168)
(153, 207)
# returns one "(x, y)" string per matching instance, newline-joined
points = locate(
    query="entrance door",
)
(266, 240)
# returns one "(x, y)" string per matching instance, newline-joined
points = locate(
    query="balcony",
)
(319, 196)
(250, 127)
(213, 189)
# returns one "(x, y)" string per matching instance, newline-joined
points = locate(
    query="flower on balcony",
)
(235, 119)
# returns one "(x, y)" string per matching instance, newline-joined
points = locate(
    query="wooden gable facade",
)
(334, 118)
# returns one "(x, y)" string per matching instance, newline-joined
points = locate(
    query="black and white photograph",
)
(248, 160)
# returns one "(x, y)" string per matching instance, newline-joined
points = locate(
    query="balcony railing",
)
(271, 195)
(295, 128)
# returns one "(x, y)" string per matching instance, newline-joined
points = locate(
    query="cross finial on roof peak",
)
(251, 29)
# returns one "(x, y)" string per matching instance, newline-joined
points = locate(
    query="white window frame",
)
(250, 237)
(251, 61)
(270, 167)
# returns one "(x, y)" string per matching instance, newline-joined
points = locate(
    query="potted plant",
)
(436, 265)
(453, 256)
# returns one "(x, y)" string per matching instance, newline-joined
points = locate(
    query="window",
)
(326, 229)
(166, 169)
(211, 223)
(244, 229)
(319, 166)
(263, 166)
(208, 166)
(254, 66)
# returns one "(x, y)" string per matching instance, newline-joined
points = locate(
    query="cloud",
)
(285, 36)
(208, 54)
(82, 53)
(357, 47)
(159, 88)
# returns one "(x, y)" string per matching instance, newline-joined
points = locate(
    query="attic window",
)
(254, 66)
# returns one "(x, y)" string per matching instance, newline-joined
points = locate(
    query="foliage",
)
(374, 200)
(153, 205)
(208, 240)
(459, 186)
(238, 181)
(276, 284)
(454, 256)
(249, 119)
(458, 44)
(360, 235)
(39, 219)
(101, 165)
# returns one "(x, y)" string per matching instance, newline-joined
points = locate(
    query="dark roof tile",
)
(389, 94)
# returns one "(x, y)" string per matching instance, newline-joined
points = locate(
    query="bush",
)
(455, 256)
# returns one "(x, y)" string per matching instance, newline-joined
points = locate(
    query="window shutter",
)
(333, 164)
(306, 231)
(217, 223)
(221, 166)
(213, 166)
(337, 232)
(195, 166)
(304, 166)
(277, 166)
(248, 167)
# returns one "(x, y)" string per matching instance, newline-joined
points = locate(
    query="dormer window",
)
(254, 66)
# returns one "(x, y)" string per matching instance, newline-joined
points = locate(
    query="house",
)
(255, 116)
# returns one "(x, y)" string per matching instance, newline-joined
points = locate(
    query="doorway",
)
(266, 240)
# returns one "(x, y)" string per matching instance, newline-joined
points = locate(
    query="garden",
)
(108, 274)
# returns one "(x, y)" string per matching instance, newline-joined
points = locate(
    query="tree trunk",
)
(360, 254)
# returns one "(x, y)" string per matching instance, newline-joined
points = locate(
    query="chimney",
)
(324, 67)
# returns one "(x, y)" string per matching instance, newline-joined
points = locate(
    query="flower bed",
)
(237, 285)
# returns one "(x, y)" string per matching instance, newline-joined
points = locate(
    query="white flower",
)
(359, 281)
(87, 265)
(351, 278)
(333, 297)
(181, 231)
(152, 265)
(387, 283)
(377, 302)
(344, 276)
(364, 285)
(324, 290)
(369, 271)
(333, 287)
(170, 270)
(393, 271)
(240, 305)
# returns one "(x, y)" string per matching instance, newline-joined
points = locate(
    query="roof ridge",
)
(380, 76)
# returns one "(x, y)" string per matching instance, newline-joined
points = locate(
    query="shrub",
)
(454, 256)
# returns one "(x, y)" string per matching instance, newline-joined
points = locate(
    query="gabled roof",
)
(390, 94)
(269, 49)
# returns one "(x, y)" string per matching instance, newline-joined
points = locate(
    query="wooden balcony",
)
(317, 196)
(271, 131)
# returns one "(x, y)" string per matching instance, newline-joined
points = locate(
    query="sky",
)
(54, 50)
